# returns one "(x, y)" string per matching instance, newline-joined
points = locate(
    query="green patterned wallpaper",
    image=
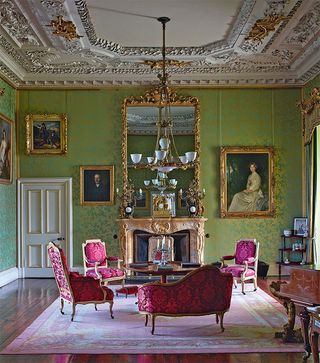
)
(8, 192)
(229, 117)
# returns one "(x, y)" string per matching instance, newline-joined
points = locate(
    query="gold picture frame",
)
(6, 139)
(247, 182)
(97, 185)
(46, 134)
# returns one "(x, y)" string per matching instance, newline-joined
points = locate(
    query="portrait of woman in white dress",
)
(247, 181)
(247, 199)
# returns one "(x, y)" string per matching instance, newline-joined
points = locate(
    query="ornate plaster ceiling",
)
(217, 42)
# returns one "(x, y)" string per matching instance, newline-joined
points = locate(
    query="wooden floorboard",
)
(22, 301)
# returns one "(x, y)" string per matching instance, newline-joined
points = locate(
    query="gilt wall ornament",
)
(310, 109)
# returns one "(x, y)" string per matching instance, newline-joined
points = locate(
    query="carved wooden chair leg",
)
(221, 321)
(146, 322)
(255, 284)
(61, 306)
(153, 323)
(242, 287)
(217, 318)
(73, 311)
(95, 306)
(111, 312)
(235, 283)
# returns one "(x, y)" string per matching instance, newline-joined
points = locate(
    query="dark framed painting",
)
(46, 134)
(247, 182)
(6, 131)
(143, 201)
(96, 185)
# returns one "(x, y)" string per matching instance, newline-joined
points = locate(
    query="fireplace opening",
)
(181, 245)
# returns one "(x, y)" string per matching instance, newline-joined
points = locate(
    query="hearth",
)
(181, 245)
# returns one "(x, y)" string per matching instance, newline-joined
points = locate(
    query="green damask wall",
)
(229, 117)
(8, 192)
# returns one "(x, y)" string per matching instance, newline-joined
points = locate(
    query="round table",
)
(154, 269)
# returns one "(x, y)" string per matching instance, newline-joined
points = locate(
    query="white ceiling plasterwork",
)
(216, 50)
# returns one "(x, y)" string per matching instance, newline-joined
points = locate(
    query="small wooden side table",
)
(314, 330)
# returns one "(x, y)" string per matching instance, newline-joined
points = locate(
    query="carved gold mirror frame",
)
(151, 98)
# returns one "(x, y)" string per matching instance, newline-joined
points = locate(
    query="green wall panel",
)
(8, 192)
(229, 117)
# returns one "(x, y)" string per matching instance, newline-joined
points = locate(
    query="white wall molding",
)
(8, 276)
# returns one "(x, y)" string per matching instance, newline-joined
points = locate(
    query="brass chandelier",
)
(165, 157)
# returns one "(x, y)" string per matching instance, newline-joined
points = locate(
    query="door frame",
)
(21, 183)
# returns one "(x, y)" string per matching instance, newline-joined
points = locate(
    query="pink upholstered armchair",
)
(96, 262)
(246, 262)
(203, 291)
(75, 288)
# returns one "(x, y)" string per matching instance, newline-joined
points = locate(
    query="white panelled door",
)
(45, 211)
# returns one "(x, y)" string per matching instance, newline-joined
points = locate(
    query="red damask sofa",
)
(203, 291)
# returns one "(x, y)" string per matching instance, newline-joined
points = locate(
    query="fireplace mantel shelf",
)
(195, 226)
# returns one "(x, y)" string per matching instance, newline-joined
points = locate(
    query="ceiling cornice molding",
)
(31, 56)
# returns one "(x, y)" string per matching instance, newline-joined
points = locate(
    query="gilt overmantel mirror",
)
(153, 160)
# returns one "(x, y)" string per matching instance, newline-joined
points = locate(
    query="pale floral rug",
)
(249, 327)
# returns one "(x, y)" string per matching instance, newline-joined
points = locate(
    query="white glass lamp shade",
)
(191, 156)
(160, 154)
(146, 183)
(173, 182)
(164, 143)
(165, 169)
(154, 181)
(150, 159)
(183, 159)
(136, 158)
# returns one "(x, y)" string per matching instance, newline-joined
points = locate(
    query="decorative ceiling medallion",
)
(155, 64)
(263, 27)
(64, 28)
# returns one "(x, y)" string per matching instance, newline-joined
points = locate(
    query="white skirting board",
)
(8, 276)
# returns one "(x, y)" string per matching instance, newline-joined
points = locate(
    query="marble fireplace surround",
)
(166, 226)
